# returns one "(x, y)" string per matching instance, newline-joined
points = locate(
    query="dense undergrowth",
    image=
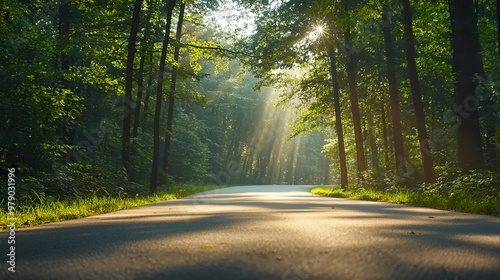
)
(471, 192)
(79, 190)
(51, 209)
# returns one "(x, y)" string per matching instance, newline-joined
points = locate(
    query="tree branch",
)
(220, 49)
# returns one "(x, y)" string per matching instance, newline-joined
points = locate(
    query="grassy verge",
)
(52, 210)
(461, 202)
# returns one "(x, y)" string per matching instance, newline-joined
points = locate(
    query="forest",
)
(129, 97)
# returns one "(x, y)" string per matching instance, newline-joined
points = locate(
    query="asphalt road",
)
(261, 232)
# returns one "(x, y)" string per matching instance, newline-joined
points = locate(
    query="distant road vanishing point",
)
(261, 232)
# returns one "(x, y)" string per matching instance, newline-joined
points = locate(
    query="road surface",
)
(261, 232)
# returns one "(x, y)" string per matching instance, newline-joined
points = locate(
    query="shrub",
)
(84, 180)
(452, 182)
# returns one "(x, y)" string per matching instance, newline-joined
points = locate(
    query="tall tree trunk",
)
(153, 183)
(148, 91)
(353, 93)
(468, 66)
(171, 95)
(127, 115)
(489, 111)
(247, 167)
(384, 134)
(289, 175)
(498, 27)
(373, 146)
(491, 129)
(425, 150)
(394, 98)
(297, 174)
(140, 91)
(338, 118)
(233, 152)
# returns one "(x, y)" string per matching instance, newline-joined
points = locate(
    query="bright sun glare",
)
(319, 29)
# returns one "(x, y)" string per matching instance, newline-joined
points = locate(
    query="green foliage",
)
(496, 140)
(373, 180)
(49, 209)
(190, 153)
(62, 76)
(34, 105)
(70, 181)
(84, 180)
(463, 202)
(475, 184)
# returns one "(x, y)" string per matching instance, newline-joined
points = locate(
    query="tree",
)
(353, 94)
(173, 81)
(153, 183)
(37, 100)
(423, 139)
(399, 153)
(140, 91)
(338, 118)
(467, 68)
(127, 115)
(498, 27)
(68, 80)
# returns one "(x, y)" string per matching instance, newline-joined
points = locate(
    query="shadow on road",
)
(263, 235)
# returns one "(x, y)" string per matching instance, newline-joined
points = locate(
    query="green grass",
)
(52, 210)
(462, 203)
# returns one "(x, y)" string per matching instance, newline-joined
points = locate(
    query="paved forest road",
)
(261, 232)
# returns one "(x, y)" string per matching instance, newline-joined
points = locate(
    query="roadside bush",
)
(84, 180)
(29, 190)
(453, 182)
(373, 180)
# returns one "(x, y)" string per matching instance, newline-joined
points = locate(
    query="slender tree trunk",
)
(233, 151)
(489, 109)
(127, 115)
(373, 146)
(297, 174)
(338, 119)
(353, 93)
(384, 135)
(140, 91)
(491, 129)
(289, 175)
(148, 91)
(394, 98)
(272, 167)
(153, 183)
(467, 67)
(425, 150)
(171, 95)
(247, 167)
(498, 27)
